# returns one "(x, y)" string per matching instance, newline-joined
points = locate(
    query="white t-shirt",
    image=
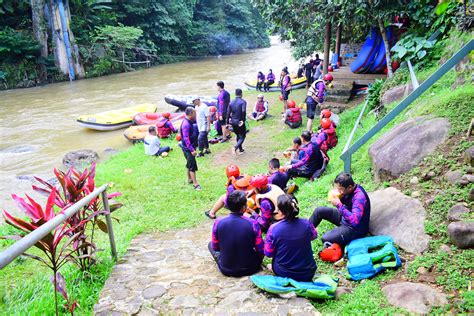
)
(202, 114)
(152, 144)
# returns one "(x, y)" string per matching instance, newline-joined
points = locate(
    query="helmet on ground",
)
(232, 171)
(326, 113)
(328, 77)
(259, 181)
(330, 68)
(166, 115)
(178, 137)
(326, 123)
(281, 97)
(291, 103)
(212, 109)
(331, 253)
(260, 96)
(165, 154)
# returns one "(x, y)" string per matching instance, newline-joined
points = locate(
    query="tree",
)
(40, 33)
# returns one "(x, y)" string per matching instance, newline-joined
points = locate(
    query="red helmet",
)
(328, 77)
(331, 254)
(330, 68)
(259, 181)
(178, 137)
(326, 113)
(326, 123)
(166, 115)
(281, 97)
(232, 171)
(212, 109)
(291, 103)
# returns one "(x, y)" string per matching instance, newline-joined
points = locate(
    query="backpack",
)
(371, 255)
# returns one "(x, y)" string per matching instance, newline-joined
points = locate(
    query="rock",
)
(414, 180)
(462, 234)
(342, 290)
(471, 195)
(466, 179)
(469, 156)
(430, 201)
(396, 93)
(80, 158)
(422, 270)
(392, 155)
(399, 216)
(415, 194)
(414, 297)
(154, 291)
(453, 176)
(429, 175)
(184, 301)
(445, 248)
(456, 212)
(111, 151)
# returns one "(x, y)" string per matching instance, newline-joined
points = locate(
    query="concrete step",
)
(337, 98)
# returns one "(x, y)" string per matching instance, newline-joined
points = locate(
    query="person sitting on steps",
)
(351, 215)
(152, 144)
(237, 244)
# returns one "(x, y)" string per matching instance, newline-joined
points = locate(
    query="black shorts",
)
(191, 163)
(223, 122)
(312, 108)
(285, 94)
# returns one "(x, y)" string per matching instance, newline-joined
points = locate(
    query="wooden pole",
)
(327, 46)
(338, 41)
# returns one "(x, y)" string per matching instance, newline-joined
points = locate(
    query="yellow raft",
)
(296, 83)
(137, 133)
(116, 119)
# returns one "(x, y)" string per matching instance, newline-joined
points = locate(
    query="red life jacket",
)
(260, 106)
(163, 130)
(295, 115)
(331, 141)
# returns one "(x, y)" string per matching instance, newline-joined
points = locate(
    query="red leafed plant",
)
(69, 241)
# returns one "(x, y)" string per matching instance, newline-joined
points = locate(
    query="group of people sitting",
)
(258, 205)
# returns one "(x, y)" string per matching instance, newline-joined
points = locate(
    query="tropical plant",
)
(373, 97)
(412, 47)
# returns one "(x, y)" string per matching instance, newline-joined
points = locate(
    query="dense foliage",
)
(109, 31)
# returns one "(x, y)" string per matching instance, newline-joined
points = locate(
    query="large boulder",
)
(399, 216)
(457, 212)
(469, 156)
(462, 234)
(396, 93)
(406, 145)
(80, 158)
(414, 297)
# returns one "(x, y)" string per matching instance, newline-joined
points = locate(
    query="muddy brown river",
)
(37, 125)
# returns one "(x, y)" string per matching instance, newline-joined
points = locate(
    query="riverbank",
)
(156, 198)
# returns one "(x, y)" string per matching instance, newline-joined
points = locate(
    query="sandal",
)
(208, 214)
(197, 187)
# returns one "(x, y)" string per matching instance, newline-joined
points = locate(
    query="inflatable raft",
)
(148, 118)
(137, 133)
(183, 101)
(296, 83)
(116, 119)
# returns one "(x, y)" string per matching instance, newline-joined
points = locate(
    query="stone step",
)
(337, 98)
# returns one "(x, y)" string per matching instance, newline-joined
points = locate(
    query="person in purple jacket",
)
(223, 100)
(351, 215)
(189, 135)
(285, 86)
(237, 244)
(315, 98)
(288, 242)
(270, 80)
(311, 162)
(260, 81)
(277, 177)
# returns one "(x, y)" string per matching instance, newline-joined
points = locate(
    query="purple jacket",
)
(355, 210)
(320, 87)
(187, 135)
(223, 100)
(260, 77)
(285, 82)
(319, 138)
(271, 76)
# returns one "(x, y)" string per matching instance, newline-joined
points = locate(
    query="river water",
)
(37, 125)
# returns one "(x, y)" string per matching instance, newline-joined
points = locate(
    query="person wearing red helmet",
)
(235, 181)
(292, 116)
(266, 200)
(164, 126)
(314, 99)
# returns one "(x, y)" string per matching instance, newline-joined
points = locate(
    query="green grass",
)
(157, 198)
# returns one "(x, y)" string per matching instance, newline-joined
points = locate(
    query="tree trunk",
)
(40, 33)
(338, 41)
(387, 48)
(327, 46)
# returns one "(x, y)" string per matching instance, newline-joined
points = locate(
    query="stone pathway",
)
(173, 273)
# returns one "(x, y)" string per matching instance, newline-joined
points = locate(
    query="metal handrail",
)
(346, 156)
(19, 247)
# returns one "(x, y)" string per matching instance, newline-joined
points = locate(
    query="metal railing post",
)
(347, 163)
(108, 220)
(414, 81)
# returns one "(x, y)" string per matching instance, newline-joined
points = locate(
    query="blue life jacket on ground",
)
(322, 287)
(371, 255)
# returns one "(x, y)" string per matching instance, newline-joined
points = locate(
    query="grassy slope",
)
(157, 198)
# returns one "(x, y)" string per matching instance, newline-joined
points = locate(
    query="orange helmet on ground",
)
(291, 103)
(326, 123)
(178, 137)
(166, 115)
(259, 181)
(326, 113)
(331, 254)
(328, 77)
(281, 97)
(232, 171)
(212, 109)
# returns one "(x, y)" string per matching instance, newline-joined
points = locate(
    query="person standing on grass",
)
(188, 143)
(315, 98)
(285, 85)
(223, 100)
(152, 143)
(237, 244)
(237, 115)
(204, 125)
